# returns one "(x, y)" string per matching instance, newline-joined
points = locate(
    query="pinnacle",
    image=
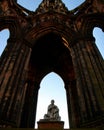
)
(52, 5)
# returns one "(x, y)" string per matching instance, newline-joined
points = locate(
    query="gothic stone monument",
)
(51, 38)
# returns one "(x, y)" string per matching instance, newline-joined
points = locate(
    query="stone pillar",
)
(89, 69)
(13, 69)
(30, 105)
(73, 104)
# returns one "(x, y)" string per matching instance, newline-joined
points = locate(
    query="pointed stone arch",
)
(95, 20)
(55, 90)
(48, 54)
(11, 24)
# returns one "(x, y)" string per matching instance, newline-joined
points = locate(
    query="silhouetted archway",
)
(52, 87)
(49, 54)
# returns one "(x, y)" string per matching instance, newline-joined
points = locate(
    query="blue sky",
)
(52, 82)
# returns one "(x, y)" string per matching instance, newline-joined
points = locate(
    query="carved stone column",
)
(89, 69)
(73, 104)
(30, 105)
(13, 69)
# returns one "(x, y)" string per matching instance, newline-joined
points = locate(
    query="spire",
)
(52, 5)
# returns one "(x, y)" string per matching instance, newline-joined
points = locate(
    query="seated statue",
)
(52, 112)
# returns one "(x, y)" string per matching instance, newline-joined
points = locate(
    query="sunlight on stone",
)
(4, 35)
(52, 87)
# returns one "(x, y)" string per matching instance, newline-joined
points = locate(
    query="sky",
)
(52, 82)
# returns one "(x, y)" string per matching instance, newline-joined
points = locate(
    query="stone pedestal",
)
(47, 124)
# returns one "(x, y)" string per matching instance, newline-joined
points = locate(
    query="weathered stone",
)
(46, 40)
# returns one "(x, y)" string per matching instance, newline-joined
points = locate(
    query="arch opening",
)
(52, 87)
(4, 35)
(49, 54)
(99, 36)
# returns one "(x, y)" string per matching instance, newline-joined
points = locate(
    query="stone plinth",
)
(47, 124)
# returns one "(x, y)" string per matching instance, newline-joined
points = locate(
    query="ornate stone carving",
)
(52, 5)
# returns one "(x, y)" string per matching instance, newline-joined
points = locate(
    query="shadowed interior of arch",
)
(48, 50)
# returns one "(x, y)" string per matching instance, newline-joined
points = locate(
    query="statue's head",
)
(52, 101)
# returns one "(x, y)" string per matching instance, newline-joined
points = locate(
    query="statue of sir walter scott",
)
(52, 112)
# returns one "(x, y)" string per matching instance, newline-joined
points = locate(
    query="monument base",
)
(48, 124)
